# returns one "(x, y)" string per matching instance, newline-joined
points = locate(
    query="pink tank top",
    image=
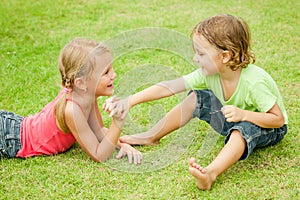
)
(41, 136)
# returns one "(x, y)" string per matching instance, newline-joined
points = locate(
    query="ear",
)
(226, 55)
(80, 83)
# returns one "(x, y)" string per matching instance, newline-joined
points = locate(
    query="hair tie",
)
(66, 90)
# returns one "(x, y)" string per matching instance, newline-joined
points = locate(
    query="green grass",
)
(31, 36)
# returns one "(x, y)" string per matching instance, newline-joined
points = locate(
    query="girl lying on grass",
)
(87, 73)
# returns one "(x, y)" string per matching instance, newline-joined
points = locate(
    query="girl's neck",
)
(84, 98)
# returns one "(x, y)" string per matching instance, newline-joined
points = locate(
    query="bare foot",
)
(139, 139)
(204, 180)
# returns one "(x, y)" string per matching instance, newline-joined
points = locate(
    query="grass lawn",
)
(151, 43)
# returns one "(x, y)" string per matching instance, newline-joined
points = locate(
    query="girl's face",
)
(103, 76)
(208, 57)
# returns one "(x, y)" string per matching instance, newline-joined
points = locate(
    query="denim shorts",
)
(10, 125)
(255, 136)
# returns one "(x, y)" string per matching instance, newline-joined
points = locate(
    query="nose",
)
(196, 57)
(114, 75)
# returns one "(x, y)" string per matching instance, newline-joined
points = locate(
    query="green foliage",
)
(31, 36)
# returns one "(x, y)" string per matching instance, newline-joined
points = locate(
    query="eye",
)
(107, 71)
(200, 53)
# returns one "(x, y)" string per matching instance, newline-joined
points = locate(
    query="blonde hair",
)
(230, 33)
(77, 59)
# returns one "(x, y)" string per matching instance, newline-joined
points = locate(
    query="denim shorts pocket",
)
(10, 125)
(13, 145)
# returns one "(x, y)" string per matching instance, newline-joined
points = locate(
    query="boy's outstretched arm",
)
(158, 91)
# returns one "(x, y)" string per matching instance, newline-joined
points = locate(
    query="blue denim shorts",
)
(255, 136)
(10, 125)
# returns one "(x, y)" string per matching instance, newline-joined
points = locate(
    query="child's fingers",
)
(137, 158)
(226, 109)
(118, 111)
(120, 154)
(111, 106)
(115, 110)
(114, 107)
(223, 109)
(112, 113)
(133, 155)
(123, 114)
(106, 106)
(129, 155)
(108, 102)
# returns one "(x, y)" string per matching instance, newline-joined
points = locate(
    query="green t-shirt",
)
(256, 90)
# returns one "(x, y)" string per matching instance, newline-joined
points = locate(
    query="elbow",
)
(164, 84)
(281, 121)
(100, 160)
(170, 87)
(97, 159)
(103, 156)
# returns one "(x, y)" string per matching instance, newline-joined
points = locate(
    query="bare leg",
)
(229, 155)
(174, 119)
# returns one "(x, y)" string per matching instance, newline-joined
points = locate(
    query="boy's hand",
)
(133, 155)
(233, 113)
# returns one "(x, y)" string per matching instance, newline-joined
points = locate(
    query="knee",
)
(191, 100)
(237, 136)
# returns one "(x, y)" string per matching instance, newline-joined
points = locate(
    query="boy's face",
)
(208, 57)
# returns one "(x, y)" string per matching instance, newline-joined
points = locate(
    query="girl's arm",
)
(80, 128)
(271, 119)
(96, 123)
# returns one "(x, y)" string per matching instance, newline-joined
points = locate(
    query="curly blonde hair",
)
(230, 33)
(77, 59)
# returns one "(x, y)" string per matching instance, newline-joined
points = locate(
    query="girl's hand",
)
(116, 107)
(133, 155)
(233, 113)
(109, 103)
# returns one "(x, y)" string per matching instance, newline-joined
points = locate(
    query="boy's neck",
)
(230, 75)
(229, 82)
